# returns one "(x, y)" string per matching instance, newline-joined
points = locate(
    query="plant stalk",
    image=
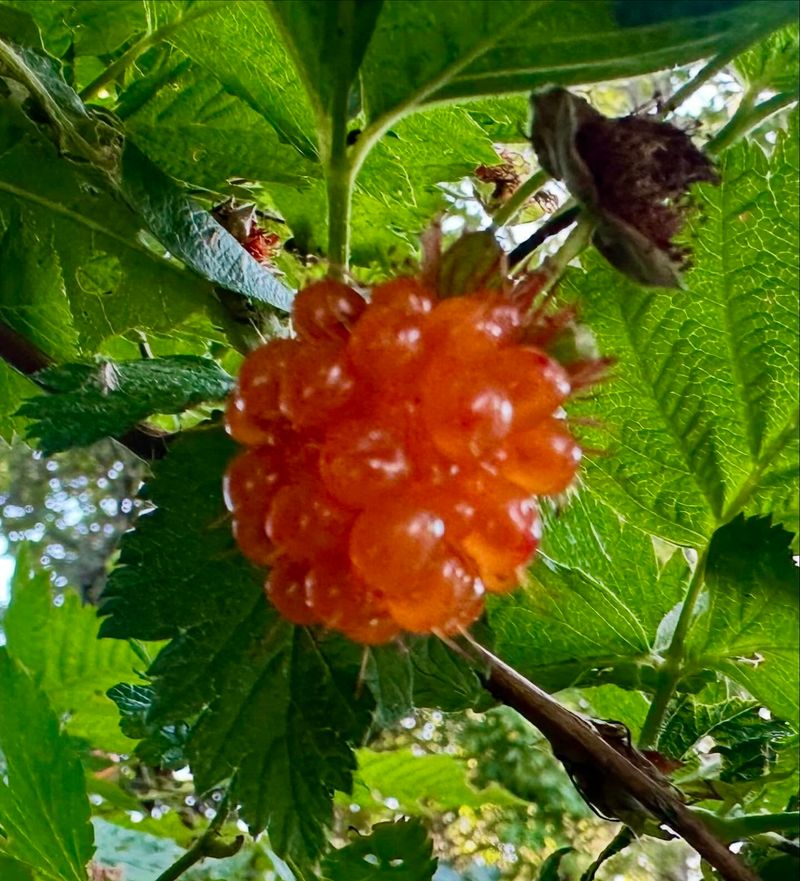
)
(746, 119)
(200, 849)
(519, 197)
(575, 740)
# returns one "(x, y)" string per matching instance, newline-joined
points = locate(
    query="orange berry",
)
(434, 593)
(406, 294)
(286, 590)
(259, 380)
(392, 543)
(466, 326)
(245, 426)
(504, 531)
(465, 410)
(386, 347)
(251, 537)
(252, 479)
(363, 460)
(326, 310)
(543, 460)
(317, 384)
(305, 521)
(342, 600)
(536, 384)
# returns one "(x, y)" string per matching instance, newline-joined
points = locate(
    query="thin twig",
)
(519, 197)
(549, 228)
(577, 743)
(741, 123)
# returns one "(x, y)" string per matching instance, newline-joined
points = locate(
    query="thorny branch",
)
(623, 776)
(145, 441)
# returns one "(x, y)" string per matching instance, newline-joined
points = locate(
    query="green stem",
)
(118, 67)
(508, 211)
(200, 849)
(575, 243)
(713, 67)
(736, 828)
(671, 671)
(747, 118)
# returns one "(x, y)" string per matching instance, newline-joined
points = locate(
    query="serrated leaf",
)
(429, 52)
(238, 43)
(44, 811)
(420, 783)
(590, 609)
(161, 745)
(747, 622)
(186, 122)
(60, 647)
(745, 742)
(233, 666)
(400, 851)
(92, 401)
(422, 673)
(700, 417)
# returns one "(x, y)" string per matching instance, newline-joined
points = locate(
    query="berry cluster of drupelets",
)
(395, 450)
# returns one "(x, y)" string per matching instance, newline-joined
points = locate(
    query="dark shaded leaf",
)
(91, 401)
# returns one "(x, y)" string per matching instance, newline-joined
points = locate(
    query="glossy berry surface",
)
(395, 450)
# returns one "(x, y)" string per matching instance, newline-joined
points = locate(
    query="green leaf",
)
(327, 41)
(114, 282)
(422, 673)
(91, 401)
(400, 851)
(60, 647)
(774, 63)
(44, 811)
(239, 44)
(14, 389)
(32, 299)
(747, 622)
(234, 667)
(161, 745)
(14, 870)
(745, 742)
(700, 418)
(186, 122)
(424, 53)
(592, 607)
(192, 234)
(421, 784)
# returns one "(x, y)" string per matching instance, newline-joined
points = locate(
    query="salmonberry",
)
(396, 448)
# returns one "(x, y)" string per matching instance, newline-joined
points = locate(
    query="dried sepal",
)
(633, 174)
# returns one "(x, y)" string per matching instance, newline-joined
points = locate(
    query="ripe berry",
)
(362, 461)
(326, 310)
(543, 460)
(286, 590)
(317, 384)
(395, 451)
(305, 521)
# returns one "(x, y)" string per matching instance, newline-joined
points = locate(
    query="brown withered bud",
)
(633, 174)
